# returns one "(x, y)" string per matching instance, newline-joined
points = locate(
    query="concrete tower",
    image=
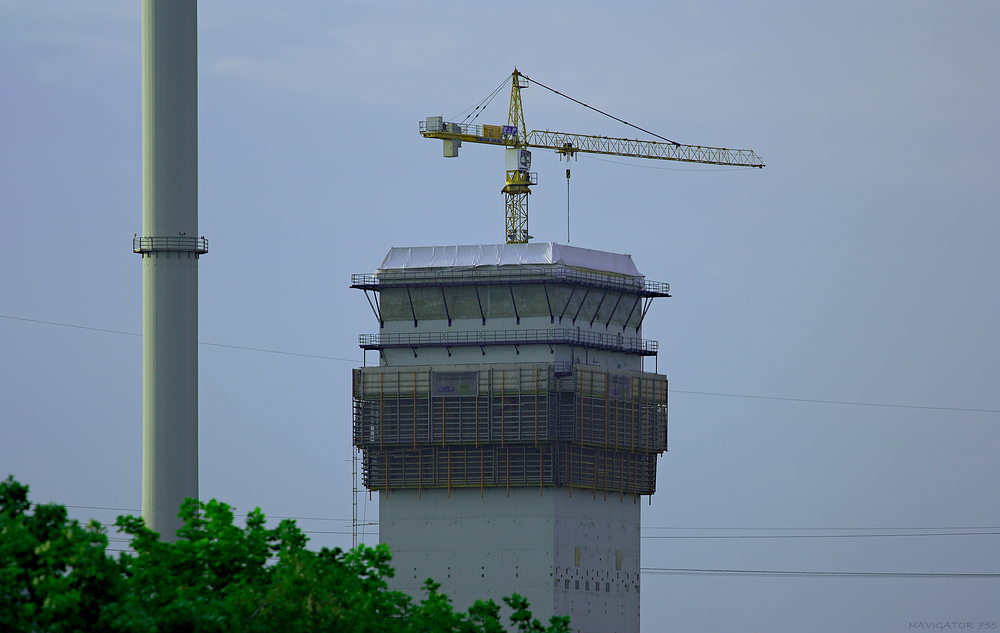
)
(170, 247)
(510, 428)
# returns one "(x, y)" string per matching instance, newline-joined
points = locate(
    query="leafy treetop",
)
(56, 576)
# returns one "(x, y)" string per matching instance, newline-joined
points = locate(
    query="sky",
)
(861, 265)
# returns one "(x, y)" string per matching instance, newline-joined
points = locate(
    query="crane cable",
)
(480, 107)
(600, 111)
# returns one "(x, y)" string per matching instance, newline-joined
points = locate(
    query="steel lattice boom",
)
(571, 143)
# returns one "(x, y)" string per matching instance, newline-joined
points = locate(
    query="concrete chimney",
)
(170, 247)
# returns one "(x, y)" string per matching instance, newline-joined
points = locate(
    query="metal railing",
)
(170, 243)
(562, 368)
(556, 336)
(465, 129)
(466, 276)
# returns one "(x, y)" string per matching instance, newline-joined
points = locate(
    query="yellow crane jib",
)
(516, 139)
(635, 148)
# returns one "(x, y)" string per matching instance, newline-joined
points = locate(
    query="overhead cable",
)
(813, 400)
(777, 536)
(666, 571)
(482, 105)
(700, 393)
(600, 111)
(251, 349)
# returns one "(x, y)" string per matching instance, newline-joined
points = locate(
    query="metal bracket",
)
(446, 311)
(598, 308)
(572, 292)
(629, 317)
(479, 301)
(642, 318)
(552, 318)
(411, 307)
(376, 308)
(514, 301)
(581, 305)
(608, 324)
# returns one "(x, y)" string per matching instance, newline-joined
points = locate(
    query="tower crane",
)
(516, 139)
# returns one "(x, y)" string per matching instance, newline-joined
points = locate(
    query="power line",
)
(269, 516)
(665, 571)
(699, 393)
(79, 327)
(129, 540)
(251, 349)
(824, 529)
(367, 524)
(275, 351)
(940, 531)
(777, 536)
(745, 537)
(855, 404)
(103, 508)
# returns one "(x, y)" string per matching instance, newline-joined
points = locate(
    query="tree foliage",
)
(56, 576)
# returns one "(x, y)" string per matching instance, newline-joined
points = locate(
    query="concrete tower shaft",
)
(170, 247)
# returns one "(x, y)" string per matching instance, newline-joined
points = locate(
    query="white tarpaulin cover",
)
(539, 253)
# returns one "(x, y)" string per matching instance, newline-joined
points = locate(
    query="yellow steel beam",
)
(572, 143)
(587, 144)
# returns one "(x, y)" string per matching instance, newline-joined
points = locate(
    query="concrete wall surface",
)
(597, 560)
(573, 554)
(577, 305)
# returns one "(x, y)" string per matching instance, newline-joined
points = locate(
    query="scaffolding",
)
(529, 424)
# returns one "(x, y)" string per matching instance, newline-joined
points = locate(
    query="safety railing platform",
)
(169, 243)
(554, 336)
(495, 276)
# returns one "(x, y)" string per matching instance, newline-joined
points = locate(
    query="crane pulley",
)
(517, 141)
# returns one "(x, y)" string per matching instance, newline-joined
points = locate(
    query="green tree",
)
(54, 573)
(217, 577)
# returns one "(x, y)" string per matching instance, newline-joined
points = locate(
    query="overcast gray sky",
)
(861, 265)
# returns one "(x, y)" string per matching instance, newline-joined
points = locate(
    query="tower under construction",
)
(510, 427)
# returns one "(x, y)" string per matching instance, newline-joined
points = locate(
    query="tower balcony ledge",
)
(554, 336)
(519, 275)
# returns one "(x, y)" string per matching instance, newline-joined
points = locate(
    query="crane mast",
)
(517, 163)
(517, 141)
